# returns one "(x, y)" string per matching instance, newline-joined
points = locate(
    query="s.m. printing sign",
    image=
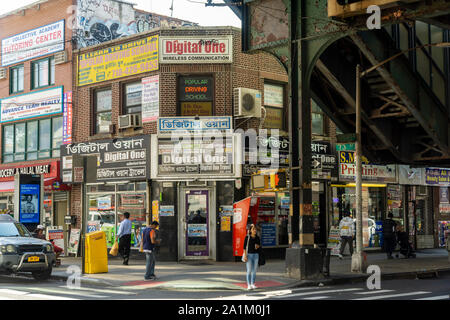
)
(31, 105)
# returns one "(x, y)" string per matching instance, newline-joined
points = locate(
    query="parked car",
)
(20, 252)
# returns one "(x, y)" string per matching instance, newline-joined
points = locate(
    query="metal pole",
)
(358, 258)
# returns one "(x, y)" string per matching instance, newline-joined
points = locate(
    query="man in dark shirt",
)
(389, 229)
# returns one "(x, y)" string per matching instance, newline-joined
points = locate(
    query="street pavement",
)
(212, 275)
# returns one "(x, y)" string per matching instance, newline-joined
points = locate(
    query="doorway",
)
(197, 224)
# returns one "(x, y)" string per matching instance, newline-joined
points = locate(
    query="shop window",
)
(32, 140)
(102, 110)
(274, 106)
(133, 98)
(16, 76)
(43, 73)
(195, 95)
(317, 120)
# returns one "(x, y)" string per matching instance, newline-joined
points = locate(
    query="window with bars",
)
(31, 140)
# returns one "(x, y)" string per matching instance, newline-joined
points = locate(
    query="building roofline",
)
(150, 32)
(15, 11)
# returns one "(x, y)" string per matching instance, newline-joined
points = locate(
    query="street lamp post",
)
(359, 261)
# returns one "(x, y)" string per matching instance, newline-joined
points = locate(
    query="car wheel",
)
(43, 275)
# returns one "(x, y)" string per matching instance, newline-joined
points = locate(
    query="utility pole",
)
(359, 261)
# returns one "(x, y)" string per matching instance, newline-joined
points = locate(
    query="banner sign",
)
(67, 118)
(190, 156)
(411, 176)
(370, 172)
(240, 217)
(33, 43)
(119, 61)
(217, 49)
(270, 151)
(437, 177)
(31, 105)
(168, 125)
(118, 159)
(150, 98)
(74, 241)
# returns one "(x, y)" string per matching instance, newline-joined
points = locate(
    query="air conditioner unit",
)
(61, 57)
(247, 102)
(130, 121)
(2, 73)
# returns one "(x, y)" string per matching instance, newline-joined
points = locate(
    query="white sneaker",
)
(249, 287)
(253, 286)
(341, 256)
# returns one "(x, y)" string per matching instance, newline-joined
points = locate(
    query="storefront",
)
(115, 182)
(197, 161)
(380, 195)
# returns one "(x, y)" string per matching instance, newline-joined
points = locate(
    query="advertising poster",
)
(33, 43)
(197, 230)
(155, 210)
(29, 203)
(225, 223)
(444, 232)
(268, 234)
(30, 105)
(119, 61)
(166, 211)
(240, 216)
(104, 203)
(74, 241)
(93, 226)
(57, 235)
(150, 99)
(334, 240)
(226, 211)
(110, 234)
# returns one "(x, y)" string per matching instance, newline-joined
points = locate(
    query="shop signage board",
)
(172, 125)
(118, 159)
(194, 157)
(45, 169)
(273, 95)
(323, 161)
(67, 118)
(370, 172)
(150, 99)
(31, 105)
(345, 147)
(411, 176)
(437, 177)
(213, 49)
(119, 61)
(33, 43)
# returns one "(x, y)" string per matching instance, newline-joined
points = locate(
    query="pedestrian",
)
(149, 241)
(39, 232)
(124, 236)
(389, 239)
(251, 244)
(346, 231)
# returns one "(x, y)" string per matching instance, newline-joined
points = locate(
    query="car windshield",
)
(11, 229)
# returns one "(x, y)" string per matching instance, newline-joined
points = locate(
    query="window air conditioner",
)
(130, 121)
(247, 102)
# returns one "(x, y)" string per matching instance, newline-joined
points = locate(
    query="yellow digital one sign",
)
(123, 60)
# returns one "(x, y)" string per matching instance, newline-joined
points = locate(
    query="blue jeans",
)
(252, 265)
(150, 265)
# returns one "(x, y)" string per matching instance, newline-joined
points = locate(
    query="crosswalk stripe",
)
(374, 292)
(13, 292)
(316, 298)
(445, 297)
(101, 290)
(68, 292)
(317, 292)
(49, 297)
(394, 295)
(6, 298)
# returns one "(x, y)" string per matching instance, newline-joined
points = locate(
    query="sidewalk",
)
(210, 275)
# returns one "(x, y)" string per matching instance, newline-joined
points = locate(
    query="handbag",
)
(114, 249)
(261, 257)
(244, 256)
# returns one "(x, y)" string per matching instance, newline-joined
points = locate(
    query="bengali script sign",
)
(33, 43)
(178, 124)
(119, 61)
(30, 105)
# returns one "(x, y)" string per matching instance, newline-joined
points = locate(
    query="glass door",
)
(197, 217)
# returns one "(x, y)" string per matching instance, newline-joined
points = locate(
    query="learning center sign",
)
(119, 61)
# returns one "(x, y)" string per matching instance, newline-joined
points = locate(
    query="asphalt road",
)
(25, 288)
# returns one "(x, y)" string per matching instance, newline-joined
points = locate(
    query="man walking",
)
(148, 243)
(124, 236)
(346, 230)
(389, 228)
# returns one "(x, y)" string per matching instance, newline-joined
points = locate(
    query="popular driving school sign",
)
(196, 49)
(123, 60)
(33, 43)
(30, 105)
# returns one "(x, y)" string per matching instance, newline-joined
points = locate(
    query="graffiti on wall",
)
(104, 20)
